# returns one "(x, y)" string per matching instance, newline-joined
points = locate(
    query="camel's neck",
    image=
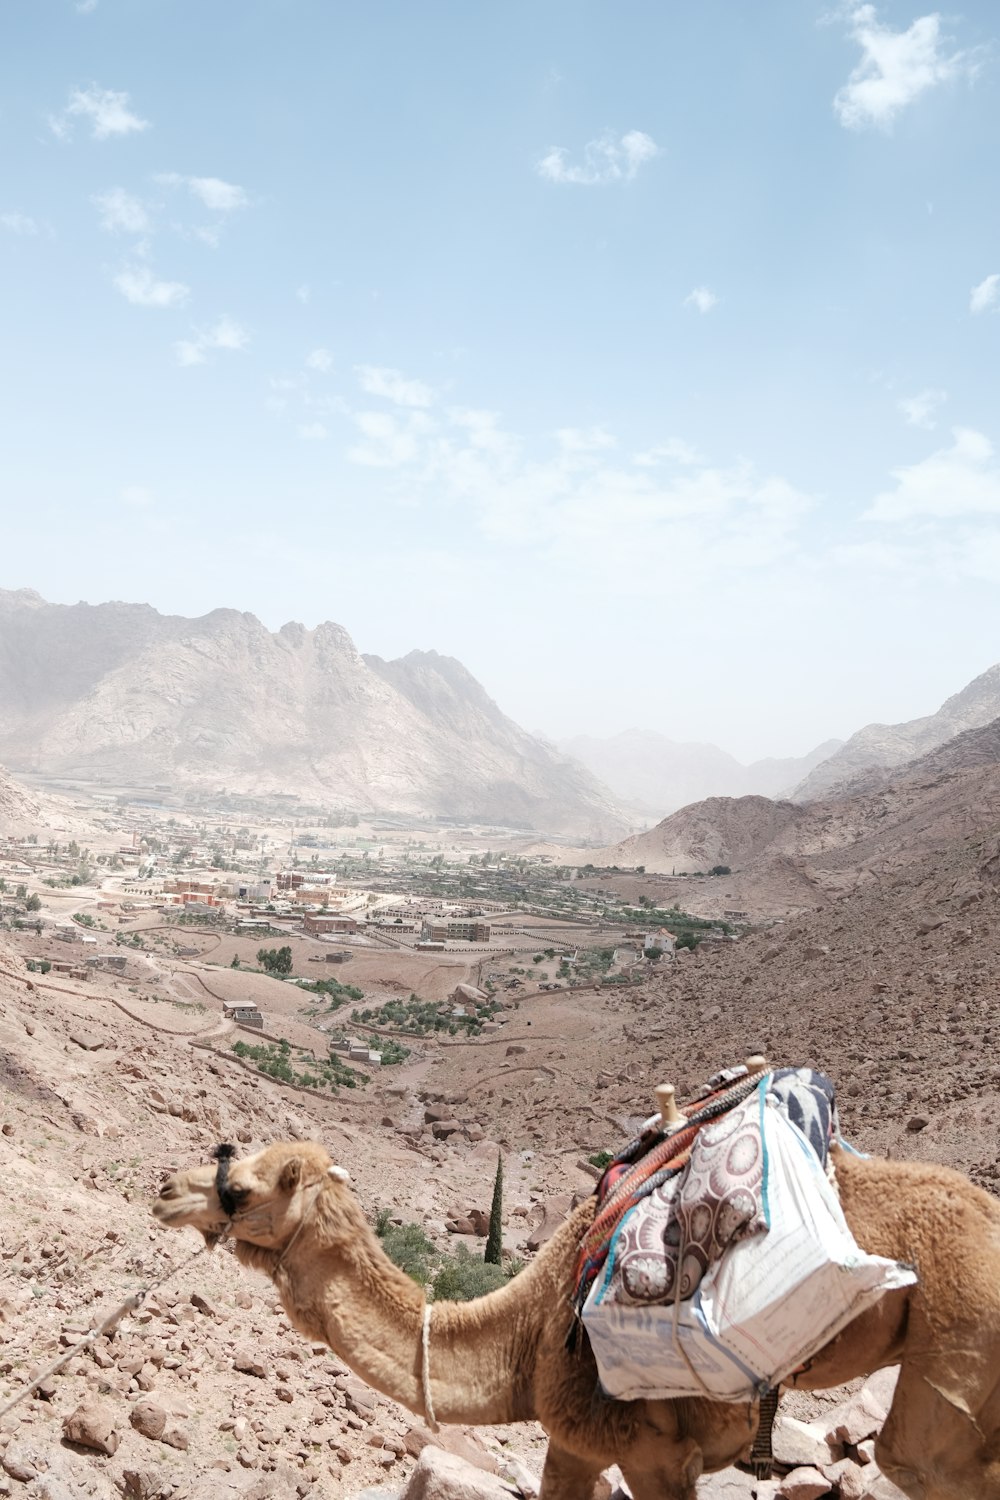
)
(342, 1288)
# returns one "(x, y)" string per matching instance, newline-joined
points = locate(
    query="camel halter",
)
(223, 1154)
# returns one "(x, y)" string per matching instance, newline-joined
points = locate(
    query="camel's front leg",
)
(566, 1477)
(666, 1481)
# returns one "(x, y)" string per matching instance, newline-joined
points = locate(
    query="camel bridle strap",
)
(425, 1369)
(222, 1156)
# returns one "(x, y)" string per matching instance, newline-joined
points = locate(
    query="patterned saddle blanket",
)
(688, 1218)
(719, 1259)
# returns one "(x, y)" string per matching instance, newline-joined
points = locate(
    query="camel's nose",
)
(169, 1192)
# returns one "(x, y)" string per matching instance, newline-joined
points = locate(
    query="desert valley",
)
(427, 972)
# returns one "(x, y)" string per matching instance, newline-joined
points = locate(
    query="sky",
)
(643, 356)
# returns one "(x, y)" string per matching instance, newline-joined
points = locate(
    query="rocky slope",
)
(734, 831)
(892, 746)
(121, 693)
(888, 987)
(19, 811)
(650, 771)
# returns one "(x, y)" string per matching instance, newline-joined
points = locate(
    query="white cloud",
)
(896, 67)
(120, 211)
(321, 360)
(226, 333)
(701, 298)
(606, 159)
(392, 440)
(921, 410)
(303, 293)
(18, 223)
(86, 7)
(137, 284)
(576, 509)
(107, 110)
(393, 386)
(217, 196)
(311, 431)
(137, 495)
(963, 480)
(584, 439)
(985, 295)
(674, 450)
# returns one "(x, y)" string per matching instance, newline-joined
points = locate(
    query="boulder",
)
(877, 1487)
(461, 1442)
(555, 1211)
(92, 1425)
(442, 1476)
(87, 1040)
(847, 1479)
(157, 1424)
(247, 1360)
(882, 1385)
(859, 1417)
(802, 1444)
(467, 994)
(731, 1484)
(804, 1484)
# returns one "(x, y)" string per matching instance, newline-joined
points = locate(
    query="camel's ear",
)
(291, 1174)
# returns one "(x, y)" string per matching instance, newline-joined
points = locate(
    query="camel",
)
(504, 1357)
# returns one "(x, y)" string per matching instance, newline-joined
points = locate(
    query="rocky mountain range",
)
(885, 747)
(651, 772)
(786, 857)
(120, 693)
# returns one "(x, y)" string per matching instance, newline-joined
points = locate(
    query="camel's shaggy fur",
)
(504, 1358)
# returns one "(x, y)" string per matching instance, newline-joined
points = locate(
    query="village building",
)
(320, 923)
(244, 1014)
(442, 930)
(661, 941)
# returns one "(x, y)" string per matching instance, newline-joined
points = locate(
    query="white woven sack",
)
(769, 1304)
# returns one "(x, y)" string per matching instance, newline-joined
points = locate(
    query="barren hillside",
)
(892, 746)
(888, 987)
(719, 831)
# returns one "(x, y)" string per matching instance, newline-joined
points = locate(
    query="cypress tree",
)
(494, 1240)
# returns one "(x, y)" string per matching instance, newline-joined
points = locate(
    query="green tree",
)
(235, 961)
(275, 960)
(493, 1253)
(33, 903)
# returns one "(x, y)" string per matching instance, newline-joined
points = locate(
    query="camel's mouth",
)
(177, 1207)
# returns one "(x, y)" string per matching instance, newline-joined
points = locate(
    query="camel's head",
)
(266, 1194)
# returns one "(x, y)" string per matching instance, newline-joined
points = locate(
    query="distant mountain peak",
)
(651, 772)
(886, 747)
(124, 693)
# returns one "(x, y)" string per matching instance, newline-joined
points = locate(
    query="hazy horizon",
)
(646, 364)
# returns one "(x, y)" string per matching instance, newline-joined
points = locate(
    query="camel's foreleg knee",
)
(567, 1477)
(673, 1481)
